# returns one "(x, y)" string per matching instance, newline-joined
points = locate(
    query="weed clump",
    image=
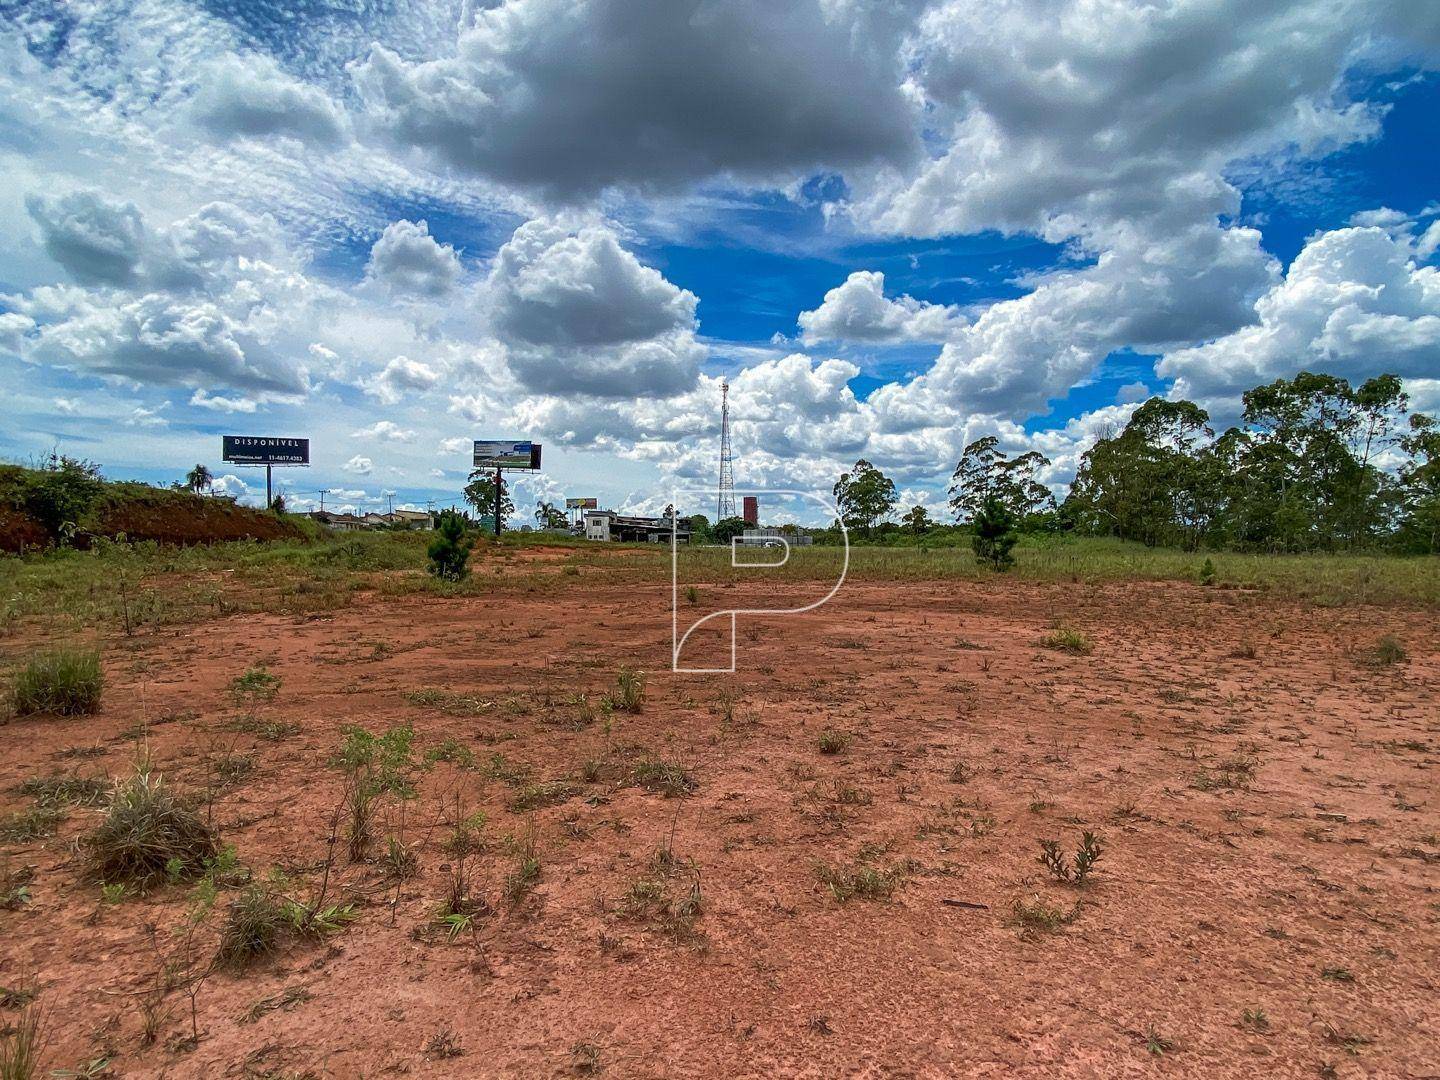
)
(1226, 776)
(650, 900)
(522, 879)
(21, 1044)
(668, 778)
(846, 883)
(629, 693)
(833, 742)
(57, 791)
(538, 796)
(374, 765)
(255, 684)
(36, 823)
(1067, 639)
(1386, 652)
(1079, 869)
(252, 928)
(14, 895)
(147, 834)
(1034, 917)
(453, 751)
(66, 682)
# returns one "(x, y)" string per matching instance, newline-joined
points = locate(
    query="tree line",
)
(1316, 464)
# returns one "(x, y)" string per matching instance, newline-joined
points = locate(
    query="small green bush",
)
(67, 682)
(994, 535)
(449, 552)
(1053, 859)
(61, 495)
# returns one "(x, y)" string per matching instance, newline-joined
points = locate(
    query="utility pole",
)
(322, 493)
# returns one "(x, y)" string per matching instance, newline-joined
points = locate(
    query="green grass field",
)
(1324, 579)
(118, 587)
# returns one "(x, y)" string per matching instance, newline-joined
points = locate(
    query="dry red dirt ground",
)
(1265, 902)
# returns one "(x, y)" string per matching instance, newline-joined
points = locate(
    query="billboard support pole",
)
(499, 497)
(269, 499)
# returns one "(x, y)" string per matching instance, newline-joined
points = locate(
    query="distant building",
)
(344, 522)
(608, 525)
(398, 519)
(751, 510)
(412, 519)
(597, 524)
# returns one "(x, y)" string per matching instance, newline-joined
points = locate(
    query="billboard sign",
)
(582, 504)
(506, 455)
(264, 450)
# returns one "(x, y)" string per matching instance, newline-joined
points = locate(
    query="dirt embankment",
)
(20, 532)
(167, 517)
(172, 517)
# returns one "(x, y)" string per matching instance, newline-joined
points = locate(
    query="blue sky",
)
(892, 228)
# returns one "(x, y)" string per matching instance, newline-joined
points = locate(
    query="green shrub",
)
(449, 552)
(61, 495)
(67, 682)
(994, 535)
